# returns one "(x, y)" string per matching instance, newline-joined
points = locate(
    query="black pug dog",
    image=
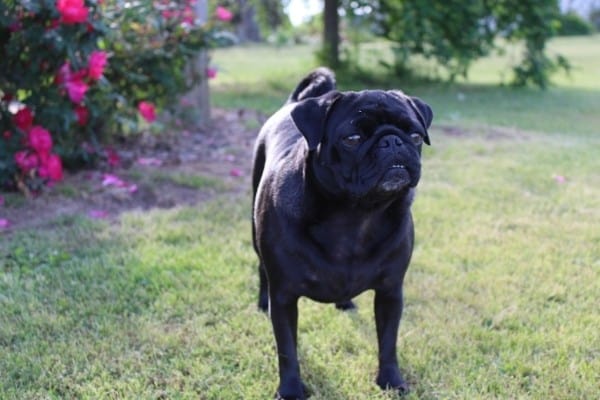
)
(334, 178)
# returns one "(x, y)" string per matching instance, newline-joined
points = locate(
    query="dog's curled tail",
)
(317, 83)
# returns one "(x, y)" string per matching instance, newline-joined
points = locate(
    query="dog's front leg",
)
(284, 317)
(388, 310)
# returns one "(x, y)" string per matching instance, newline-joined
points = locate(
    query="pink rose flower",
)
(23, 119)
(73, 82)
(98, 214)
(40, 140)
(51, 168)
(76, 89)
(112, 180)
(223, 14)
(147, 111)
(63, 75)
(150, 161)
(97, 62)
(211, 72)
(26, 161)
(559, 179)
(188, 16)
(72, 11)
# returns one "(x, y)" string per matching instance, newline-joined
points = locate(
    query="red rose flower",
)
(53, 24)
(26, 161)
(51, 168)
(72, 11)
(15, 27)
(40, 140)
(112, 157)
(97, 62)
(168, 14)
(147, 111)
(82, 115)
(23, 119)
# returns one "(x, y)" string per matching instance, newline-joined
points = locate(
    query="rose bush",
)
(73, 73)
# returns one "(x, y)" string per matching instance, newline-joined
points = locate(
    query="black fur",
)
(334, 178)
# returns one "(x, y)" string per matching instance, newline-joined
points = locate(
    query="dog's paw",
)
(391, 379)
(346, 306)
(292, 392)
(293, 397)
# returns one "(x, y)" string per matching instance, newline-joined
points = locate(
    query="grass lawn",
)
(501, 297)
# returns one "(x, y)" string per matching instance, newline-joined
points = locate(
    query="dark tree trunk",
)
(331, 38)
(247, 29)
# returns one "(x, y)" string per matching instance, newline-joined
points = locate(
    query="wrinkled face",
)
(371, 145)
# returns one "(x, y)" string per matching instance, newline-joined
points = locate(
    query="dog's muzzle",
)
(397, 176)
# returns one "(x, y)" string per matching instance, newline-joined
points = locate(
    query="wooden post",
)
(199, 96)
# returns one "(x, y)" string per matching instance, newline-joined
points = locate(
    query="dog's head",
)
(364, 146)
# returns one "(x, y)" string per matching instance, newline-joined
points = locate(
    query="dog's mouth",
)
(395, 178)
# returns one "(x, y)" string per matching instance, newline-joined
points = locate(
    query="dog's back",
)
(317, 83)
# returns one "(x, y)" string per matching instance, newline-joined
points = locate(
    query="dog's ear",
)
(310, 116)
(424, 113)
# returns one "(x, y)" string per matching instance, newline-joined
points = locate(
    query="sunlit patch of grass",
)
(180, 178)
(190, 180)
(569, 106)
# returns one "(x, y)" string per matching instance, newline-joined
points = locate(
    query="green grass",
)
(258, 77)
(501, 296)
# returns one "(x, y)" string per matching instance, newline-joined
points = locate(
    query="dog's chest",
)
(342, 241)
(351, 250)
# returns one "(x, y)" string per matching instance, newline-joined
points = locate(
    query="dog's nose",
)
(389, 141)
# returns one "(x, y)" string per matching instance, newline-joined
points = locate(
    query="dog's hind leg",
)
(263, 291)
(259, 165)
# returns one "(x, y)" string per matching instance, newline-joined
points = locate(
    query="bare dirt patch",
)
(181, 167)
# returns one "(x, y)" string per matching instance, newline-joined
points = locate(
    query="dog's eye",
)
(416, 138)
(352, 140)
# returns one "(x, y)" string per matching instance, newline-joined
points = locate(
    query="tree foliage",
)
(455, 33)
